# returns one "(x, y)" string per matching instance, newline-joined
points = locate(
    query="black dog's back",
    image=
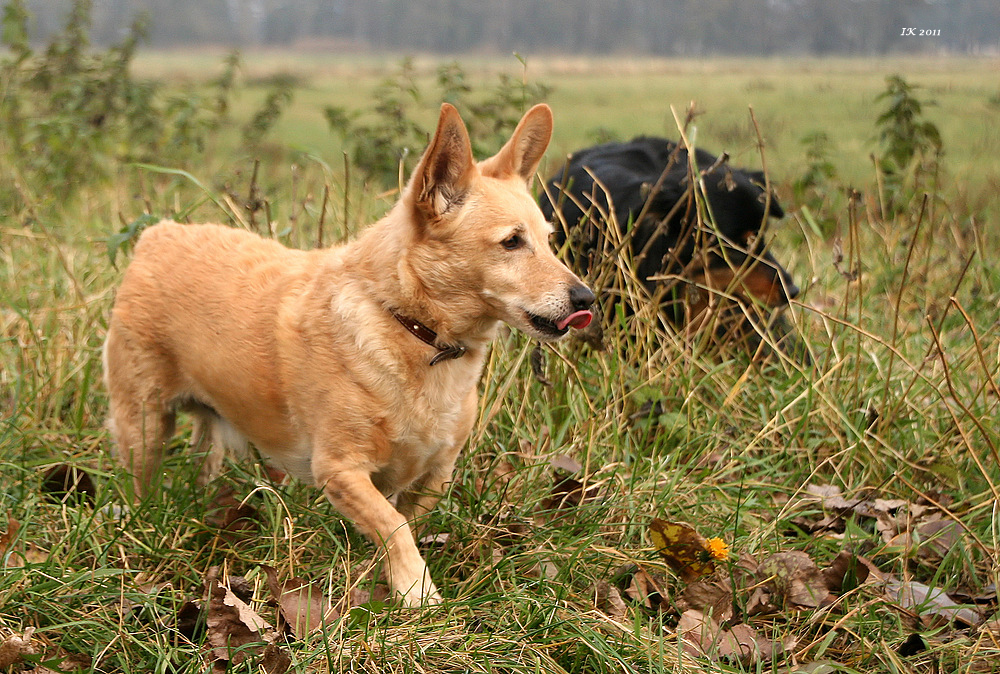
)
(645, 185)
(664, 240)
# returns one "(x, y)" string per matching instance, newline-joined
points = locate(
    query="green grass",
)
(730, 447)
(628, 97)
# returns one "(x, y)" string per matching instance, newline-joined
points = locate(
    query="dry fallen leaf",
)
(796, 579)
(684, 549)
(701, 635)
(930, 603)
(646, 589)
(818, 667)
(568, 492)
(712, 595)
(920, 528)
(913, 645)
(14, 647)
(10, 558)
(234, 627)
(275, 660)
(565, 462)
(302, 606)
(992, 628)
(608, 599)
(190, 620)
(933, 539)
(360, 596)
(7, 537)
(845, 573)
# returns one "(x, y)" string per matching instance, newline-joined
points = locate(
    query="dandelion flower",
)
(717, 548)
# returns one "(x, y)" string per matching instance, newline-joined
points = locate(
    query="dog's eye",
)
(513, 242)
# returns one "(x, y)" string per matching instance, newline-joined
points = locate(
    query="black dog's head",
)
(645, 185)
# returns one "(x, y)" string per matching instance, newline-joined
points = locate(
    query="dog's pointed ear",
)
(523, 152)
(442, 178)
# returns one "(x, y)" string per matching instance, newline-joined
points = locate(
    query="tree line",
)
(654, 27)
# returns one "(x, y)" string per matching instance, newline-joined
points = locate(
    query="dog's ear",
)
(442, 178)
(523, 152)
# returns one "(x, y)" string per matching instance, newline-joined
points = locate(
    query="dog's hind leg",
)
(204, 445)
(140, 418)
(211, 433)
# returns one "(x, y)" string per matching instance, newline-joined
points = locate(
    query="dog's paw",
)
(421, 595)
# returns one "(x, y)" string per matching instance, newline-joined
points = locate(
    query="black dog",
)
(651, 198)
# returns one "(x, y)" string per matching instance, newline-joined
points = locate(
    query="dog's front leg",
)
(351, 491)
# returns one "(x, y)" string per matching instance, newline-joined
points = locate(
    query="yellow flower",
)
(717, 548)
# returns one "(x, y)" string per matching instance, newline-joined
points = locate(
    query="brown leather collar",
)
(428, 336)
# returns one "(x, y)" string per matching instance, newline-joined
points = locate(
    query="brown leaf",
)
(830, 497)
(7, 537)
(760, 602)
(190, 620)
(32, 555)
(702, 635)
(275, 660)
(934, 539)
(14, 647)
(823, 491)
(913, 645)
(683, 548)
(242, 588)
(233, 625)
(831, 523)
(360, 596)
(886, 525)
(992, 627)
(568, 492)
(565, 462)
(608, 599)
(236, 519)
(932, 604)
(542, 568)
(647, 589)
(439, 539)
(712, 596)
(845, 573)
(303, 607)
(64, 662)
(817, 667)
(987, 598)
(795, 578)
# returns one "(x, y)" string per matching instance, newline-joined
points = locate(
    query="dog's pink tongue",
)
(577, 319)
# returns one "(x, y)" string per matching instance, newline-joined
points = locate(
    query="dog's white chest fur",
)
(430, 418)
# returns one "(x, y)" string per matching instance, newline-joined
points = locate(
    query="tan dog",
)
(310, 356)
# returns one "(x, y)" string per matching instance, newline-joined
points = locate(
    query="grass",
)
(901, 403)
(792, 98)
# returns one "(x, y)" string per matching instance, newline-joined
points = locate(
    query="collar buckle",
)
(429, 337)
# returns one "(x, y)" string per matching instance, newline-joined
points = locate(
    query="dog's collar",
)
(429, 337)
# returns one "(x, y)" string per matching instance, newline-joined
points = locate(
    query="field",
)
(853, 492)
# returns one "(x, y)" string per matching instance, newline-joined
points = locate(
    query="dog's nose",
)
(581, 297)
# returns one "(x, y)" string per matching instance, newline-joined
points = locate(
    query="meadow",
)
(857, 494)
